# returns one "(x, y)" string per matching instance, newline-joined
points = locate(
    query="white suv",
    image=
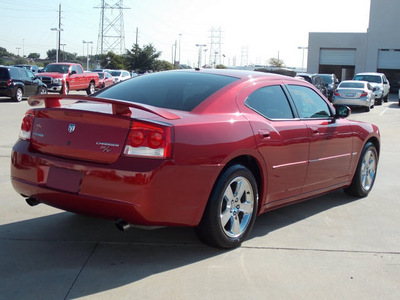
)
(378, 80)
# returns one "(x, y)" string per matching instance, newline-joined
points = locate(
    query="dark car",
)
(18, 83)
(331, 83)
(33, 68)
(210, 149)
(315, 80)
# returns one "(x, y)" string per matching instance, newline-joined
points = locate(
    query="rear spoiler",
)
(119, 107)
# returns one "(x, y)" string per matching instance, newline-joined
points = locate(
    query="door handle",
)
(264, 133)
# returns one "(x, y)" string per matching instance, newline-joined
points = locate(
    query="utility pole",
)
(111, 36)
(59, 32)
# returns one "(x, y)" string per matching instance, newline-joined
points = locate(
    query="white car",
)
(120, 75)
(376, 80)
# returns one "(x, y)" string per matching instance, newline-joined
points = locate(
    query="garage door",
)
(389, 59)
(337, 57)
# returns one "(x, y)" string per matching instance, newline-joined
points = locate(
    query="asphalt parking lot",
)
(330, 247)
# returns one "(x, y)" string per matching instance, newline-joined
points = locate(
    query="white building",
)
(377, 50)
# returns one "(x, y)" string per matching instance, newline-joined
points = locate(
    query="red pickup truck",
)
(65, 77)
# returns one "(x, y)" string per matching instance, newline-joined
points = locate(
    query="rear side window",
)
(308, 103)
(271, 102)
(175, 90)
(15, 73)
(4, 74)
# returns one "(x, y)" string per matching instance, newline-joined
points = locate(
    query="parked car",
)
(65, 77)
(379, 81)
(355, 93)
(331, 83)
(18, 83)
(315, 80)
(32, 68)
(105, 80)
(120, 75)
(209, 148)
(399, 97)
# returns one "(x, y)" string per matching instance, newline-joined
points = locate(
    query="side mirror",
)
(73, 72)
(342, 111)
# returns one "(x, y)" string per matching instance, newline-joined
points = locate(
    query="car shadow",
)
(78, 256)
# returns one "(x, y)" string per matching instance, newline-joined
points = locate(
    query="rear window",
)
(175, 90)
(357, 85)
(369, 78)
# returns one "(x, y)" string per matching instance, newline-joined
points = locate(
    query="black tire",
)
(378, 101)
(19, 93)
(385, 99)
(365, 174)
(229, 217)
(42, 90)
(91, 89)
(65, 89)
(367, 109)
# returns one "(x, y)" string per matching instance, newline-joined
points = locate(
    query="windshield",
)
(56, 68)
(369, 78)
(115, 73)
(327, 78)
(169, 89)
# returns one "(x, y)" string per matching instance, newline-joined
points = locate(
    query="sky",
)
(266, 28)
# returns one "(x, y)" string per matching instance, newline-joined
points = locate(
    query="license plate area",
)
(64, 179)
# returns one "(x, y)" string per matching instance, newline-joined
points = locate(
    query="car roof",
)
(370, 73)
(241, 74)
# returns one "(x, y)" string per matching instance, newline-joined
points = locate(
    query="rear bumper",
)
(352, 102)
(151, 192)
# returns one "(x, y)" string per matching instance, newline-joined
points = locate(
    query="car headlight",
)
(57, 80)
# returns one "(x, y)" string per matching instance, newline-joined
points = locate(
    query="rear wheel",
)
(364, 177)
(91, 89)
(231, 210)
(18, 95)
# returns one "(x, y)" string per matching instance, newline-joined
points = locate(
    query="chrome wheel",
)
(368, 169)
(237, 207)
(18, 95)
(364, 177)
(231, 209)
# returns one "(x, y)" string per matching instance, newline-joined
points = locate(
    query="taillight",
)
(336, 94)
(9, 82)
(364, 94)
(26, 126)
(148, 140)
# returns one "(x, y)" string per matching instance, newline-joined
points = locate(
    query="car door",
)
(30, 84)
(282, 139)
(330, 140)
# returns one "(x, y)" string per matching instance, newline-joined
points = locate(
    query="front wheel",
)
(231, 209)
(364, 177)
(18, 95)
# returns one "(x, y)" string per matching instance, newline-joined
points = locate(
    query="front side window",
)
(271, 102)
(308, 103)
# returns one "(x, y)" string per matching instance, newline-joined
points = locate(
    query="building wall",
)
(382, 33)
(334, 40)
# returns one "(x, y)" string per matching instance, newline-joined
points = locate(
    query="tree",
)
(34, 55)
(142, 59)
(162, 65)
(220, 66)
(111, 61)
(276, 62)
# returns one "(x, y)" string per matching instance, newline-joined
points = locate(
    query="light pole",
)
(179, 57)
(63, 45)
(18, 50)
(200, 48)
(87, 62)
(302, 61)
(57, 41)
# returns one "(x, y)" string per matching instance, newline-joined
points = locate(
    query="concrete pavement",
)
(330, 247)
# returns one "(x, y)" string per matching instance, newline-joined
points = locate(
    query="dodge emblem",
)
(71, 128)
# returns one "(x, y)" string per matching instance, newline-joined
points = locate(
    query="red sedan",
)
(105, 80)
(211, 149)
